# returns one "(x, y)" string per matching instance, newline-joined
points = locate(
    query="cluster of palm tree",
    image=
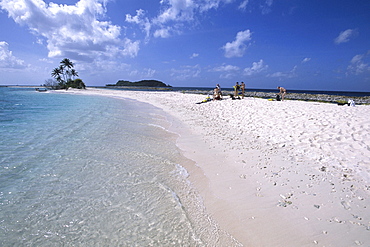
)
(65, 74)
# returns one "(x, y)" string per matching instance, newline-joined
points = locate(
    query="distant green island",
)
(142, 83)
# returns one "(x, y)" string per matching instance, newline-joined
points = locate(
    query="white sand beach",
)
(275, 173)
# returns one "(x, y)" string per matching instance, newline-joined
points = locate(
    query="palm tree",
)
(74, 73)
(64, 73)
(56, 74)
(66, 65)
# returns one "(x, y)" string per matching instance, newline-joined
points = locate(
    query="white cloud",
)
(162, 33)
(289, 74)
(358, 64)
(238, 46)
(71, 30)
(266, 7)
(142, 74)
(7, 60)
(345, 36)
(130, 48)
(46, 60)
(186, 72)
(149, 73)
(206, 5)
(227, 71)
(243, 5)
(194, 55)
(177, 10)
(305, 60)
(257, 67)
(140, 20)
(172, 16)
(185, 10)
(226, 68)
(99, 65)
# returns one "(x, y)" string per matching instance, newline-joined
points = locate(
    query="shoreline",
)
(285, 173)
(312, 97)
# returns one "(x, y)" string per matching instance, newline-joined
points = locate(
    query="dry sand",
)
(275, 173)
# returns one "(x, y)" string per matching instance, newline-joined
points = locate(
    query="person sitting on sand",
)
(236, 89)
(216, 93)
(242, 87)
(282, 92)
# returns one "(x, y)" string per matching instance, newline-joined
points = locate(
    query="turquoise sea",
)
(80, 170)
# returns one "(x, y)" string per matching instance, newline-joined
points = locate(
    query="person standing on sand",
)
(236, 89)
(242, 87)
(282, 92)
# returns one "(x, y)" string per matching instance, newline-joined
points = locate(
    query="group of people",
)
(217, 94)
(238, 88)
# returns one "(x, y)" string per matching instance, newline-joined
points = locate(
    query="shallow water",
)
(78, 170)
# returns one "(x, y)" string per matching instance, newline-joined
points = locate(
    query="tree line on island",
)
(64, 78)
(142, 83)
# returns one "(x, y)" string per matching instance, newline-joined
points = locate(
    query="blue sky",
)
(297, 44)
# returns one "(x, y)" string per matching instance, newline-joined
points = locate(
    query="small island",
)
(142, 83)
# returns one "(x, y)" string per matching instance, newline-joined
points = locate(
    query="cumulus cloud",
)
(172, 16)
(345, 36)
(237, 47)
(7, 60)
(179, 10)
(162, 33)
(358, 64)
(141, 20)
(72, 30)
(257, 67)
(130, 48)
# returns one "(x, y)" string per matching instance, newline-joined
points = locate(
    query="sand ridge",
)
(285, 173)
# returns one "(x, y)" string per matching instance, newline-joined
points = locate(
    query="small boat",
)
(41, 89)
